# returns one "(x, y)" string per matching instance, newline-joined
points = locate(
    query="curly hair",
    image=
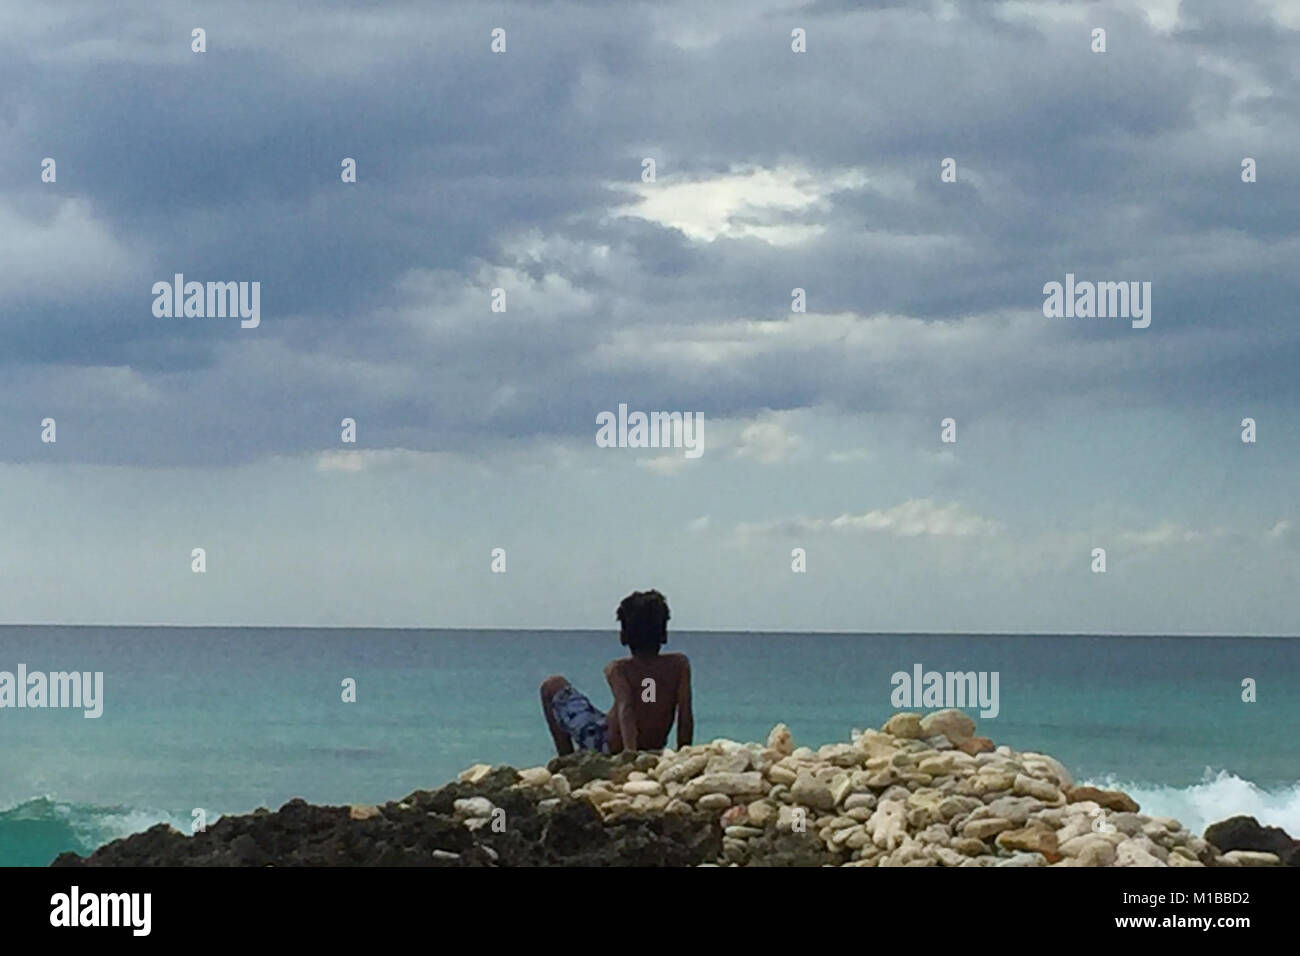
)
(643, 616)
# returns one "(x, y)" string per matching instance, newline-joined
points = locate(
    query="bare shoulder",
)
(680, 661)
(614, 667)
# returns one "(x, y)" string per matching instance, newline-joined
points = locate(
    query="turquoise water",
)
(229, 719)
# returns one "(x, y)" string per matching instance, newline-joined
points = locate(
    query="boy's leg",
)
(550, 687)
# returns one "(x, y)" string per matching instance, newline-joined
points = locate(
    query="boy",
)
(649, 689)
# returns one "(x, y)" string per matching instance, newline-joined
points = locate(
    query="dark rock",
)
(1246, 833)
(781, 847)
(575, 836)
(646, 760)
(422, 831)
(498, 781)
(587, 765)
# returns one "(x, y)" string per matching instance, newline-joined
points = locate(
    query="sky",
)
(774, 170)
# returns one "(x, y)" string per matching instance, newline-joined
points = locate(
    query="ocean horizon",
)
(228, 719)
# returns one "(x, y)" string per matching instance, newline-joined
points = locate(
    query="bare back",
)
(649, 692)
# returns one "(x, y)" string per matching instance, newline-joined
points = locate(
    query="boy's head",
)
(643, 616)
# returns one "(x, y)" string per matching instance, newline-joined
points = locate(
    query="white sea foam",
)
(1219, 795)
(91, 825)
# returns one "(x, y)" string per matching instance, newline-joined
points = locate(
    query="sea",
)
(202, 722)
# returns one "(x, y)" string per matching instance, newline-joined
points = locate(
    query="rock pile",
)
(922, 791)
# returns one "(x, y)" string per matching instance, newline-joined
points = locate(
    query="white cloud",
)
(665, 464)
(36, 255)
(744, 203)
(913, 518)
(766, 441)
(373, 459)
(1161, 14)
(1283, 532)
(1167, 534)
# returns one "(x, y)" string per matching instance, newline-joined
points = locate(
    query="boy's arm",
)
(685, 718)
(624, 711)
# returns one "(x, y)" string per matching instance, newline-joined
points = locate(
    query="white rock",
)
(1096, 853)
(840, 755)
(535, 777)
(1042, 765)
(841, 786)
(951, 723)
(856, 800)
(779, 774)
(748, 784)
(735, 761)
(873, 743)
(596, 797)
(761, 812)
(1027, 786)
(1132, 853)
(714, 801)
(643, 788)
(987, 827)
(936, 765)
(811, 792)
(473, 807)
(1015, 809)
(1130, 824)
(888, 825)
(781, 740)
(949, 857)
(906, 725)
(841, 837)
(857, 838)
(681, 769)
(475, 773)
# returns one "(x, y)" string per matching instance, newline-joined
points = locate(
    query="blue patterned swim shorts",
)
(579, 718)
